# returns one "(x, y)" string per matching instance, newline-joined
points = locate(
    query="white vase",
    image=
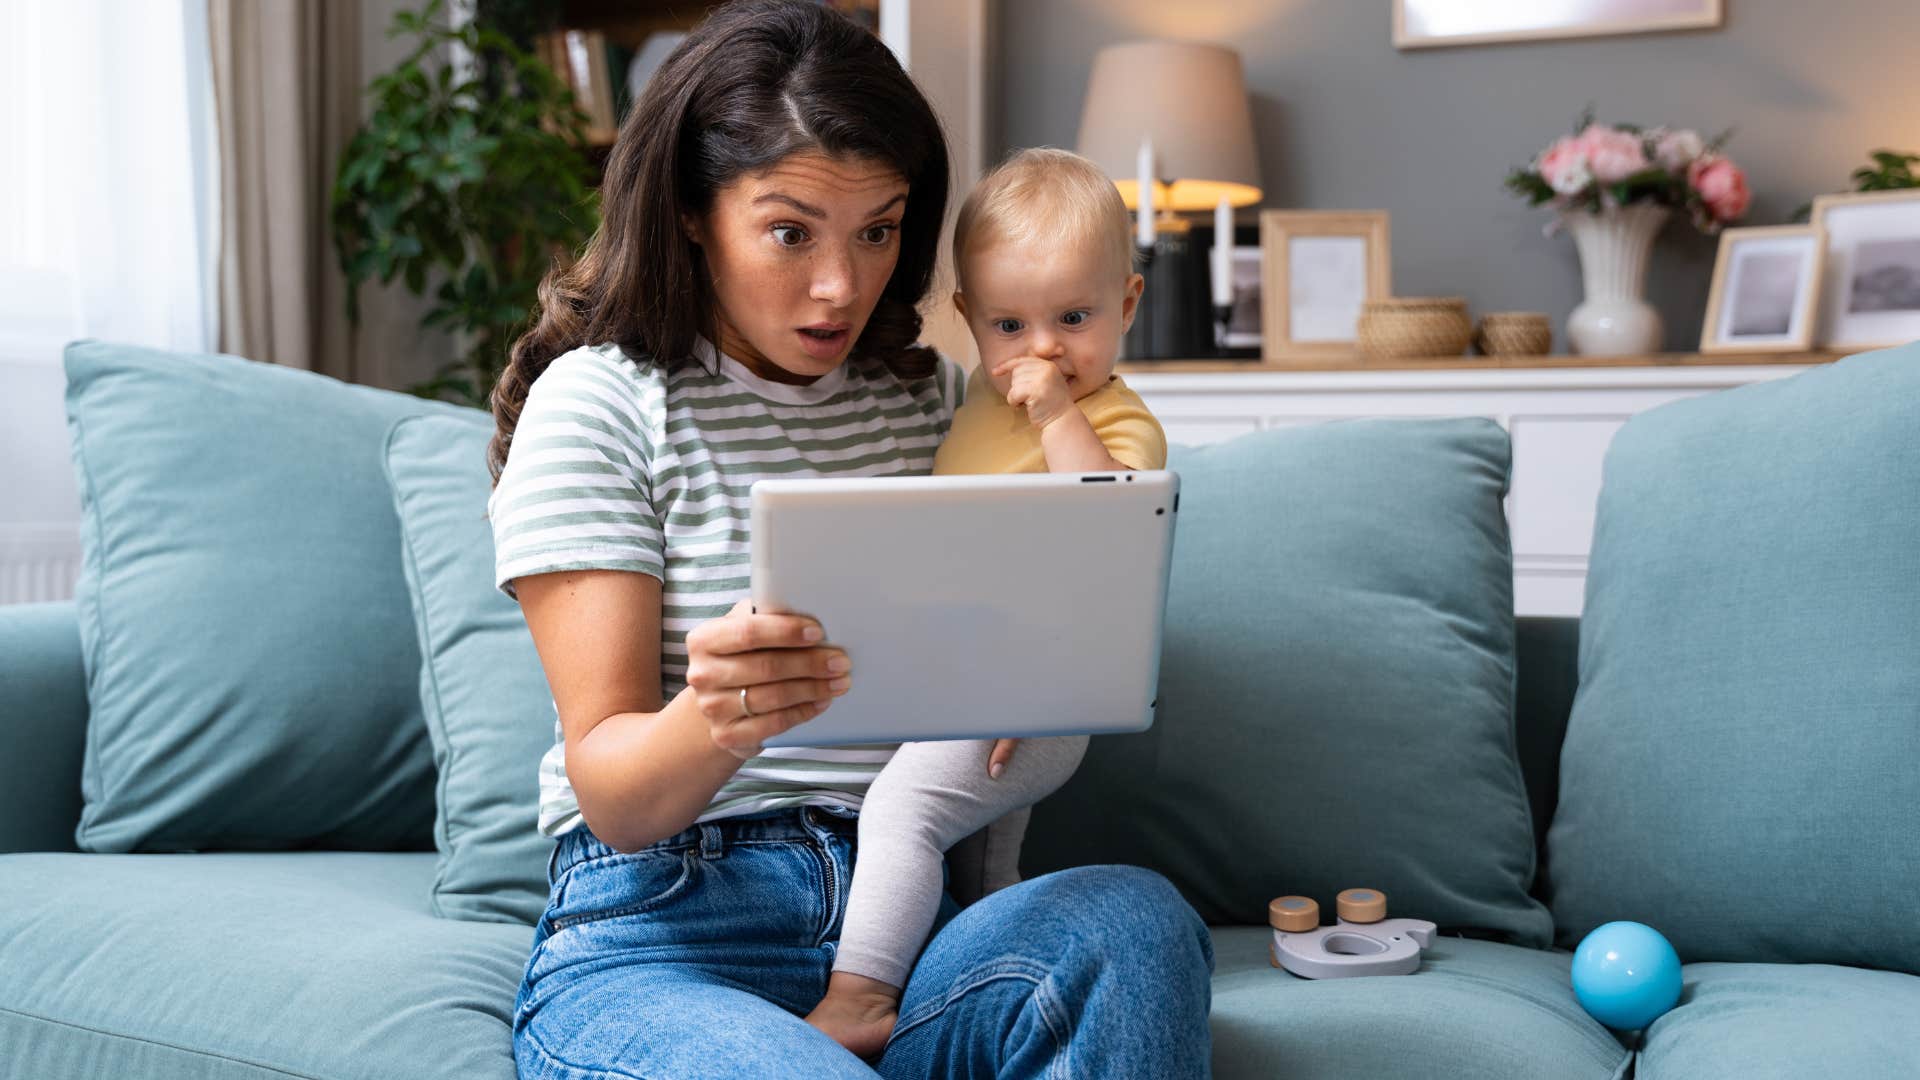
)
(1614, 320)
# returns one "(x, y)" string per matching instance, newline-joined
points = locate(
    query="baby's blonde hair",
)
(1044, 192)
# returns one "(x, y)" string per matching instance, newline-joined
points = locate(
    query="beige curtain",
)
(288, 90)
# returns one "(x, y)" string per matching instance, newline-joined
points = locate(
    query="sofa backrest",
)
(43, 726)
(1548, 652)
(43, 702)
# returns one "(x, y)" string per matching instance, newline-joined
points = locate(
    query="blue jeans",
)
(698, 956)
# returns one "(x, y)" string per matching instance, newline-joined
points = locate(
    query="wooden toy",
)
(1363, 942)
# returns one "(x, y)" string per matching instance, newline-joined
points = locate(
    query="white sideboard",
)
(1561, 420)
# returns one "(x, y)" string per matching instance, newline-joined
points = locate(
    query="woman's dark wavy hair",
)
(756, 81)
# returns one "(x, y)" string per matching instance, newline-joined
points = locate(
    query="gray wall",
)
(1345, 121)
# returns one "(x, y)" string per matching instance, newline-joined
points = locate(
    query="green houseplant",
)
(475, 181)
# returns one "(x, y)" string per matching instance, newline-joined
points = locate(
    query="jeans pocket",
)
(620, 885)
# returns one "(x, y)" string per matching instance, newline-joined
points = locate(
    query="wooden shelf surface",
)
(1356, 362)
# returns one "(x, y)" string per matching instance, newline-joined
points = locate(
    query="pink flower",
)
(1612, 154)
(1722, 187)
(1564, 166)
(1675, 150)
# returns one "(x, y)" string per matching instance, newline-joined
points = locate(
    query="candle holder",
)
(1173, 320)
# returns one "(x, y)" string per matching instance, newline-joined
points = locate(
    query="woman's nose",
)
(833, 280)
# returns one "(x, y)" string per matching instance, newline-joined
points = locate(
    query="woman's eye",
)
(1007, 326)
(782, 233)
(880, 234)
(1075, 318)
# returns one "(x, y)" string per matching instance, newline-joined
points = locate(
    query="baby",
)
(1044, 255)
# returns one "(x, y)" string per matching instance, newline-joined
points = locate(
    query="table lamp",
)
(1170, 122)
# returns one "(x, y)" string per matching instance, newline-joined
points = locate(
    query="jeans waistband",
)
(713, 837)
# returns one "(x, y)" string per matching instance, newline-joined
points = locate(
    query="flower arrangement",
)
(1605, 166)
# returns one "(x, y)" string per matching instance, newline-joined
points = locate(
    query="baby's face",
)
(1063, 304)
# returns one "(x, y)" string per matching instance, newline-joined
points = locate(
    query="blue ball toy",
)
(1626, 975)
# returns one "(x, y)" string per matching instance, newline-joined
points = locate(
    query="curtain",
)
(108, 197)
(287, 86)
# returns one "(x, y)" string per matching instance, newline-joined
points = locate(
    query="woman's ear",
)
(690, 225)
(1130, 303)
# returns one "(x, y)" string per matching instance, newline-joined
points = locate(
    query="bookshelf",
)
(593, 43)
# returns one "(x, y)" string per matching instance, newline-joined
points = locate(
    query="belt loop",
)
(710, 845)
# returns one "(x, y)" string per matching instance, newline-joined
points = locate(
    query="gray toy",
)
(1363, 942)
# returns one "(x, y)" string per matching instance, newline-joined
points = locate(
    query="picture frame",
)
(1427, 24)
(1243, 327)
(1317, 268)
(1870, 297)
(1766, 287)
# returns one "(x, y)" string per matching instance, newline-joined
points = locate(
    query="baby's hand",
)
(1037, 387)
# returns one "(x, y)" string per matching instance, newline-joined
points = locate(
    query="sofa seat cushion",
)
(231, 966)
(1475, 1008)
(1765, 1021)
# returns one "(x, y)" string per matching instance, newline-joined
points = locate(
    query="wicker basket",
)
(1514, 333)
(1411, 327)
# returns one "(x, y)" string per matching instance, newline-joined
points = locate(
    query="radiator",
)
(38, 562)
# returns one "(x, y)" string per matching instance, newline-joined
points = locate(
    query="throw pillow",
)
(251, 668)
(1336, 687)
(1742, 766)
(484, 694)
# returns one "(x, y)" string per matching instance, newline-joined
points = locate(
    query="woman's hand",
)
(755, 676)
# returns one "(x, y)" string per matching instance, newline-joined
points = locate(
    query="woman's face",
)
(799, 255)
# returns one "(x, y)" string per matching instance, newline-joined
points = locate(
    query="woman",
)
(772, 211)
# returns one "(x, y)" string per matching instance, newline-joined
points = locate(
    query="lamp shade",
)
(1191, 100)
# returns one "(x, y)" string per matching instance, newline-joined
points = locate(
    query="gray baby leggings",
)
(926, 799)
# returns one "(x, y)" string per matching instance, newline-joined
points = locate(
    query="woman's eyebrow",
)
(814, 211)
(810, 211)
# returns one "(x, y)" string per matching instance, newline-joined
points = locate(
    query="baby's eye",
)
(782, 232)
(1075, 318)
(1007, 326)
(880, 234)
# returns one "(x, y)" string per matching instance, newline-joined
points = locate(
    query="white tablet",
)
(975, 606)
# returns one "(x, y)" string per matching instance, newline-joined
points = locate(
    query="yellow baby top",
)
(990, 436)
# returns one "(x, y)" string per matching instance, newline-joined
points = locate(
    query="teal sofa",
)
(333, 950)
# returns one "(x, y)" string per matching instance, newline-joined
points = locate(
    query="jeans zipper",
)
(832, 878)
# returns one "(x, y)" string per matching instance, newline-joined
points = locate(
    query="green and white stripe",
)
(640, 466)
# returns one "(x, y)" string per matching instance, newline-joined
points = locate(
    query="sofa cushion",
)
(247, 966)
(1739, 769)
(1785, 1022)
(250, 657)
(484, 694)
(1336, 686)
(1475, 1008)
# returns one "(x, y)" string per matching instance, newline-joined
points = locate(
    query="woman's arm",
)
(642, 769)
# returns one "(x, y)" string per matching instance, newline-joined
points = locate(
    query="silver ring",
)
(745, 710)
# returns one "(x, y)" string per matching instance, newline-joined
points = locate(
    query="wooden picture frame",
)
(1766, 287)
(1303, 318)
(1863, 229)
(1415, 29)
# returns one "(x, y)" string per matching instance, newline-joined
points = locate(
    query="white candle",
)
(1222, 253)
(1144, 237)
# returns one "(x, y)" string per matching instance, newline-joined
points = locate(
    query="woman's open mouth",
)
(824, 342)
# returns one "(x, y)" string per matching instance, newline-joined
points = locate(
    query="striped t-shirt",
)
(643, 466)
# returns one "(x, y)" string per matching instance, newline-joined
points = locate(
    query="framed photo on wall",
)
(1766, 283)
(1426, 24)
(1871, 298)
(1317, 268)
